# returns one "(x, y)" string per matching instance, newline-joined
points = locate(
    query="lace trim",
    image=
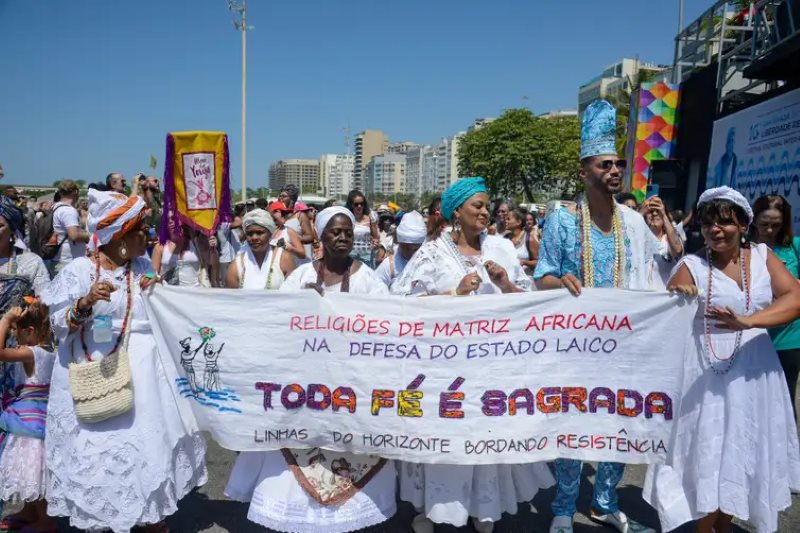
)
(118, 505)
(267, 518)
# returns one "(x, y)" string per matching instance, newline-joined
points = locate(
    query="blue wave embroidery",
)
(213, 399)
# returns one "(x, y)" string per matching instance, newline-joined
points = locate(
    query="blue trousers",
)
(568, 480)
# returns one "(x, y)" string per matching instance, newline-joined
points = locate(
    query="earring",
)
(744, 239)
(123, 251)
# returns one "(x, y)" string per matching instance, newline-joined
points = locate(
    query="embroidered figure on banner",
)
(199, 178)
(212, 371)
(211, 393)
(187, 358)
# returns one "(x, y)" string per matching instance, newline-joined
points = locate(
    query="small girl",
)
(22, 419)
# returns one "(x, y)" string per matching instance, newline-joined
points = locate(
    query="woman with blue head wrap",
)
(466, 261)
(15, 260)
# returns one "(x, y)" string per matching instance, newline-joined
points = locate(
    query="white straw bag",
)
(103, 389)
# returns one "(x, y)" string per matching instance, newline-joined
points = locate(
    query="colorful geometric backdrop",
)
(652, 131)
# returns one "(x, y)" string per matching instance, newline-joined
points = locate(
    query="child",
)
(22, 420)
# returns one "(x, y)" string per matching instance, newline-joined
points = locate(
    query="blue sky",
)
(90, 86)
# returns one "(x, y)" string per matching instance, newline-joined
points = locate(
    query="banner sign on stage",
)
(459, 380)
(757, 151)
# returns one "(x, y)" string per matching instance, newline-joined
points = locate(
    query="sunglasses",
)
(358, 204)
(608, 164)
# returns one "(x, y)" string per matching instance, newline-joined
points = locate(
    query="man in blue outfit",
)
(618, 253)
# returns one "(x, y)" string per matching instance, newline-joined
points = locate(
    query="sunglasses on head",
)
(607, 164)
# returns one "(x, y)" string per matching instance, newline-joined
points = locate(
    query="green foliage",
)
(522, 152)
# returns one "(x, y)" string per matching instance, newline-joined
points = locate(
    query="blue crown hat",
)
(598, 128)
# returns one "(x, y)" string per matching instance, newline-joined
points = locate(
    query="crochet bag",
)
(103, 389)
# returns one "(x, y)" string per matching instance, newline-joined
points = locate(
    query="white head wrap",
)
(732, 195)
(325, 216)
(112, 214)
(412, 229)
(259, 217)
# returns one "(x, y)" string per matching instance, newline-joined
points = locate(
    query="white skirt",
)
(277, 501)
(22, 470)
(128, 470)
(450, 494)
(735, 446)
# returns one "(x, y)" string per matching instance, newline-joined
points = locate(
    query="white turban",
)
(325, 216)
(412, 229)
(259, 217)
(732, 195)
(112, 215)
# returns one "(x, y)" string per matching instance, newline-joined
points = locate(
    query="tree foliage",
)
(520, 152)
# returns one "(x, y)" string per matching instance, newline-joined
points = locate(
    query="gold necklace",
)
(587, 256)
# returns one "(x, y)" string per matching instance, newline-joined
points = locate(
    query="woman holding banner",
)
(734, 450)
(320, 490)
(463, 262)
(118, 462)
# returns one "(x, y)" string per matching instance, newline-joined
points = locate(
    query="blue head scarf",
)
(598, 129)
(457, 193)
(12, 214)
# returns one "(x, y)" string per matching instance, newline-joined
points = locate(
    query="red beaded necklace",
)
(709, 345)
(129, 306)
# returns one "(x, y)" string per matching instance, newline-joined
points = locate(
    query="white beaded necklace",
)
(709, 346)
(587, 251)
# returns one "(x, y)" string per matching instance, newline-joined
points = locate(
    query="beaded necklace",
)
(268, 285)
(128, 307)
(453, 247)
(709, 346)
(587, 252)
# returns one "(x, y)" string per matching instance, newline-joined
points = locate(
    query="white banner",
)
(757, 151)
(461, 380)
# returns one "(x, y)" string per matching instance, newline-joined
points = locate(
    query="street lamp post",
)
(240, 9)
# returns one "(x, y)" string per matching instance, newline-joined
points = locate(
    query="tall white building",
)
(401, 147)
(432, 168)
(303, 173)
(368, 144)
(386, 174)
(615, 80)
(336, 174)
(415, 157)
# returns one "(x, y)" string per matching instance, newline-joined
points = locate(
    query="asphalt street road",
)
(208, 510)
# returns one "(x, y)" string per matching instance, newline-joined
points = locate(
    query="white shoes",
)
(422, 524)
(561, 524)
(620, 522)
(482, 527)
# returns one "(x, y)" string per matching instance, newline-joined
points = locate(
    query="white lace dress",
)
(22, 463)
(131, 469)
(452, 493)
(277, 500)
(735, 444)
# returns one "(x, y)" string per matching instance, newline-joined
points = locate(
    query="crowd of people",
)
(72, 302)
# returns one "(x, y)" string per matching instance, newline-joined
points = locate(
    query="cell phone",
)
(652, 190)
